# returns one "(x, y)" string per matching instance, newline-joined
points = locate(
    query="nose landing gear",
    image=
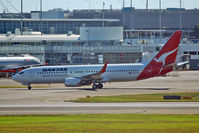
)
(29, 87)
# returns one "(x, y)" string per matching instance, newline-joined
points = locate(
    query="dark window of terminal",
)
(193, 53)
(44, 42)
(157, 48)
(185, 52)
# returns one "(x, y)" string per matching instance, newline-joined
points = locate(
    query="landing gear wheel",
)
(29, 87)
(100, 86)
(94, 86)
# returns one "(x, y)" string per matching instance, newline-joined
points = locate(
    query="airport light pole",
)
(21, 17)
(103, 13)
(180, 15)
(87, 37)
(147, 4)
(41, 16)
(131, 26)
(123, 16)
(160, 21)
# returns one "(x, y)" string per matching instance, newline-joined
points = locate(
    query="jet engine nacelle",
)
(73, 82)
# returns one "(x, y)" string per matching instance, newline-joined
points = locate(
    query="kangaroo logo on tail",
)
(163, 57)
(167, 55)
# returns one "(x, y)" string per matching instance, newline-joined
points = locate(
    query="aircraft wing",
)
(95, 76)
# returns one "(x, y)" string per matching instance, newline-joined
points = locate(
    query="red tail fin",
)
(165, 57)
(104, 67)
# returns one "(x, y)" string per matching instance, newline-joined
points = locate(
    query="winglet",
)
(104, 67)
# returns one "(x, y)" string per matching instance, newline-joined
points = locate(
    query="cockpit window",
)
(21, 73)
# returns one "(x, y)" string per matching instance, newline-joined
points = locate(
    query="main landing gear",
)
(97, 86)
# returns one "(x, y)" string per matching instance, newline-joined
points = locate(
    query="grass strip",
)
(138, 98)
(100, 123)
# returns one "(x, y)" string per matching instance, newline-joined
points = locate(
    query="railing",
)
(68, 49)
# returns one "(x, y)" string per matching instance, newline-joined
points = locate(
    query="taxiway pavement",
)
(50, 99)
(102, 108)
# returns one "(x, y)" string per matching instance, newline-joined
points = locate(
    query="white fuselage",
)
(58, 74)
(14, 62)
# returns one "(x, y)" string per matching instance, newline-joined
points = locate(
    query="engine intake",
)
(73, 82)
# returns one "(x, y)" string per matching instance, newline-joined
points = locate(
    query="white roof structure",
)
(40, 38)
(86, 34)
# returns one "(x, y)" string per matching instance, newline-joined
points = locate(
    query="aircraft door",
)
(149, 70)
(31, 74)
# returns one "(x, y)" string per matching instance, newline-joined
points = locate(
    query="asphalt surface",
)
(102, 108)
(49, 99)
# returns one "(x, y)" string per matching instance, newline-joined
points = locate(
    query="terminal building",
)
(171, 19)
(148, 19)
(53, 26)
(59, 21)
(190, 52)
(93, 45)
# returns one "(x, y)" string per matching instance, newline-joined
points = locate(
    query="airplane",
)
(14, 64)
(96, 75)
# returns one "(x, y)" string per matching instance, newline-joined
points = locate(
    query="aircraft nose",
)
(37, 61)
(15, 77)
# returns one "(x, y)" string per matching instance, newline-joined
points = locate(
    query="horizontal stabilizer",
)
(182, 63)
